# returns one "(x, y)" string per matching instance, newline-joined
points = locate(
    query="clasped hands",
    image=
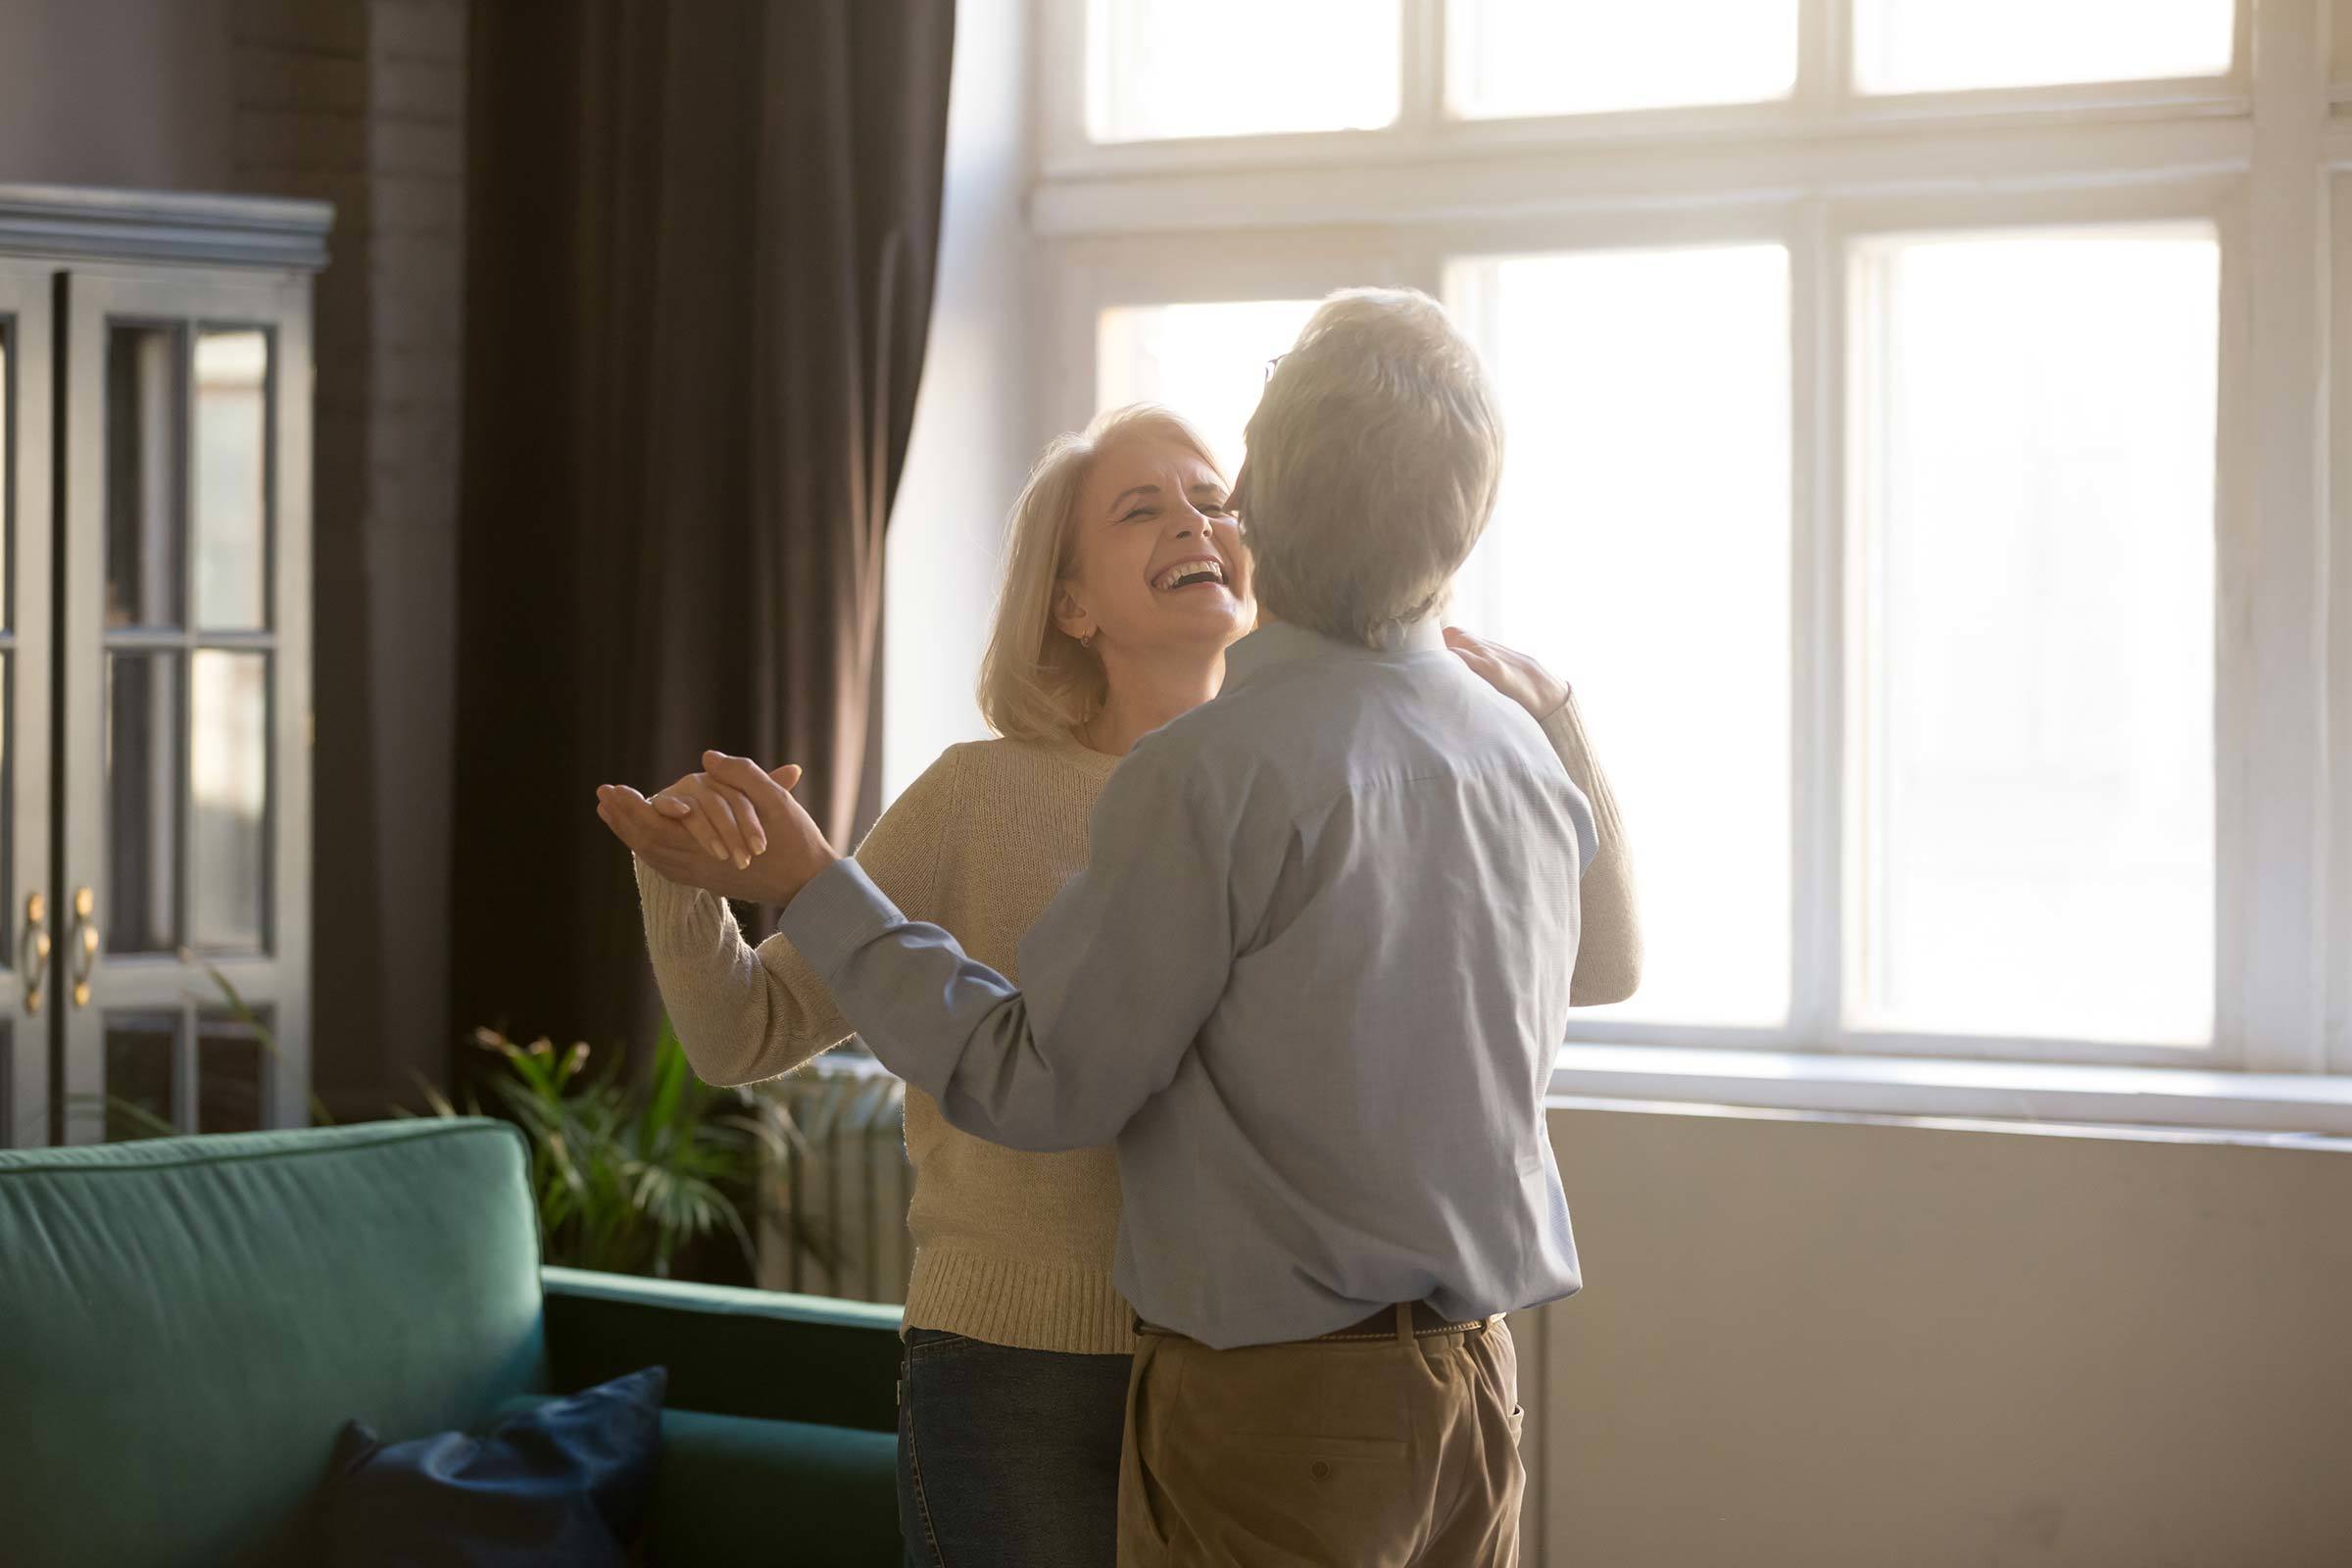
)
(733, 829)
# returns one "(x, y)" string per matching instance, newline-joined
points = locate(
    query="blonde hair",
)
(1037, 682)
(1374, 460)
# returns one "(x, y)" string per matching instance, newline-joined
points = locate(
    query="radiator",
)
(836, 1225)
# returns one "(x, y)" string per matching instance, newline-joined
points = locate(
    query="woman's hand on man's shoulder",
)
(1515, 674)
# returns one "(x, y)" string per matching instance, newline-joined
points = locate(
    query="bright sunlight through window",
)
(2034, 671)
(1240, 67)
(1572, 57)
(1940, 46)
(1641, 550)
(1207, 361)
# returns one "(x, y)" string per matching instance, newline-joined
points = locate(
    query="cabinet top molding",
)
(138, 225)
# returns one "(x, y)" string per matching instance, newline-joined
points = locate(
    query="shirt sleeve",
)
(1122, 970)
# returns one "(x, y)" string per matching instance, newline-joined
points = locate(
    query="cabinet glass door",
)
(28, 995)
(184, 930)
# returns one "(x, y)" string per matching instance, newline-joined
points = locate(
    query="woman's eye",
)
(1141, 511)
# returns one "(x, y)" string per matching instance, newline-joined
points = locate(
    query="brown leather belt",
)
(1380, 1325)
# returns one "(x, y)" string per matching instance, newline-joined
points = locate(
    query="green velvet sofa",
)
(185, 1323)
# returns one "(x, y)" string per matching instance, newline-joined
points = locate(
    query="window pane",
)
(139, 1101)
(7, 494)
(2036, 835)
(1939, 46)
(142, 792)
(1238, 68)
(229, 1071)
(1640, 550)
(1576, 56)
(142, 476)
(232, 381)
(1207, 361)
(8, 810)
(228, 789)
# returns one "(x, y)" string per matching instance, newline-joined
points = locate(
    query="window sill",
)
(2262, 1107)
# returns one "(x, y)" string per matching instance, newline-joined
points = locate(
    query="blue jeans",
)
(1008, 1457)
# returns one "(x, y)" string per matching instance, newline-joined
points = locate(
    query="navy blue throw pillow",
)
(564, 1483)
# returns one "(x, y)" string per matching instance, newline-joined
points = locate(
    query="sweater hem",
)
(1012, 1302)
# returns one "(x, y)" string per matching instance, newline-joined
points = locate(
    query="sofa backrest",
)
(185, 1323)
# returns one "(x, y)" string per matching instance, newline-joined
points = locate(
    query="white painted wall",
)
(1832, 1344)
(974, 434)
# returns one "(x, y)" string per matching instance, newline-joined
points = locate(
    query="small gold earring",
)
(1087, 642)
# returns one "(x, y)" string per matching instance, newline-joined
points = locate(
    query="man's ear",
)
(1070, 615)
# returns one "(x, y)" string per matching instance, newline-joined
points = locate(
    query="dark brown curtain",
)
(701, 236)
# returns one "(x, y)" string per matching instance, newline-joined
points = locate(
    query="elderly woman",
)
(1125, 581)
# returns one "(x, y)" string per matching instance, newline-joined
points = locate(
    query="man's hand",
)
(1512, 674)
(718, 815)
(731, 829)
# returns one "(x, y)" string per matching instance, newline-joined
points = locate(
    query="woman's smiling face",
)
(1158, 561)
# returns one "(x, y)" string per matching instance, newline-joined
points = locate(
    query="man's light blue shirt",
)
(1308, 987)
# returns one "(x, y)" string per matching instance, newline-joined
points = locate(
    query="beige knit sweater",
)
(1010, 1248)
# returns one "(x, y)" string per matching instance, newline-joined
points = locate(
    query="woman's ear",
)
(1070, 615)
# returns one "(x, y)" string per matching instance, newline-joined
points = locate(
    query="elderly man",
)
(1308, 987)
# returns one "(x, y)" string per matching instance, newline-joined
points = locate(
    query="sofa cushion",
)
(186, 1323)
(731, 1489)
(561, 1485)
(730, 1350)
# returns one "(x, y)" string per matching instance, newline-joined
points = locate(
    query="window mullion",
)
(2272, 807)
(1817, 624)
(1825, 55)
(2338, 828)
(1421, 101)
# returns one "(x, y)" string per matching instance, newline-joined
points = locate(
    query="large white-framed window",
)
(1656, 584)
(1920, 464)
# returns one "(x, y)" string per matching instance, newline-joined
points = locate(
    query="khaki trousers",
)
(1393, 1449)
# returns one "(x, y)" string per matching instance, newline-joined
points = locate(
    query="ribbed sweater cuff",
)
(679, 919)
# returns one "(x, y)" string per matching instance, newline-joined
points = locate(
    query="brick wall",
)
(362, 102)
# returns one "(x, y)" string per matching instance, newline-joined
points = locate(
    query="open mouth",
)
(1192, 573)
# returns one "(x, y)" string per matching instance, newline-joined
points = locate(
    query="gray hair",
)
(1374, 458)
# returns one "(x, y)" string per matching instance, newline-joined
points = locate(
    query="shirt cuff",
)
(837, 914)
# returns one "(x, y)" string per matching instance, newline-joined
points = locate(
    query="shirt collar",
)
(1280, 643)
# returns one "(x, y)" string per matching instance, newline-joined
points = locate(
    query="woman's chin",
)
(1205, 627)
(1207, 607)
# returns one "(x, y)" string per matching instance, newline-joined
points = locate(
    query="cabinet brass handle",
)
(85, 944)
(33, 950)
